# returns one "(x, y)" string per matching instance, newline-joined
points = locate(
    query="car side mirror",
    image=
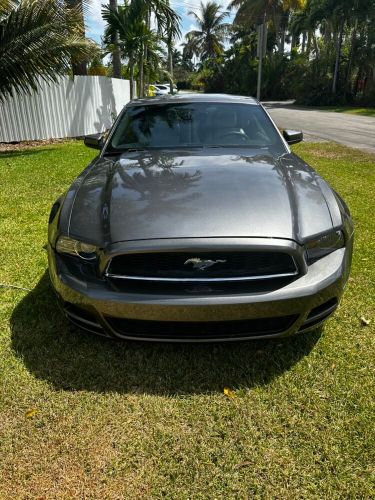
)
(95, 141)
(293, 136)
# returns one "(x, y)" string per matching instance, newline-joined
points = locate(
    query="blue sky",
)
(95, 24)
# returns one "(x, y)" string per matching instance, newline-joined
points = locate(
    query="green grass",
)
(365, 111)
(131, 420)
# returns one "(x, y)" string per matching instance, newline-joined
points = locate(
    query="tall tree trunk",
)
(116, 55)
(356, 82)
(304, 38)
(350, 60)
(308, 44)
(337, 59)
(78, 67)
(146, 77)
(315, 43)
(328, 29)
(131, 75)
(283, 27)
(170, 64)
(281, 44)
(141, 73)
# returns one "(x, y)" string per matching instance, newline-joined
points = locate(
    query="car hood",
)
(163, 195)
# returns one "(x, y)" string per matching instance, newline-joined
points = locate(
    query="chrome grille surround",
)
(229, 266)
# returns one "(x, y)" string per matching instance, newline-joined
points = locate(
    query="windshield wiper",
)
(135, 149)
(238, 146)
(118, 151)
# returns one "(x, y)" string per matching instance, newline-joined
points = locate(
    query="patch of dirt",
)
(312, 138)
(329, 155)
(16, 146)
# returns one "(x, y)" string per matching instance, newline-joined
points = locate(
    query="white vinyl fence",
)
(69, 108)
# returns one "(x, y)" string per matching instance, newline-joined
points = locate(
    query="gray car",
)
(197, 223)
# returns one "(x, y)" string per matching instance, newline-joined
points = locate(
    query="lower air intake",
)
(191, 330)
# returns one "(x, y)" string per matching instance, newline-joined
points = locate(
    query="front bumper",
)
(307, 301)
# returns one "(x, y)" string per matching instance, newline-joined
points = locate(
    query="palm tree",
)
(38, 39)
(136, 40)
(116, 55)
(172, 32)
(300, 23)
(78, 67)
(273, 12)
(208, 40)
(133, 37)
(167, 23)
(124, 28)
(254, 11)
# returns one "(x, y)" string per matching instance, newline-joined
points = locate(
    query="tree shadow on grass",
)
(23, 152)
(69, 359)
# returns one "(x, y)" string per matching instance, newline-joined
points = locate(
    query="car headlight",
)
(70, 246)
(316, 249)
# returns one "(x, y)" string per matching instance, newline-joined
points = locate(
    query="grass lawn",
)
(83, 417)
(348, 109)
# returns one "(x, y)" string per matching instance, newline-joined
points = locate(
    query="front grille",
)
(205, 330)
(202, 266)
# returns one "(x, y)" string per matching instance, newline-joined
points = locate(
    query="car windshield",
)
(189, 125)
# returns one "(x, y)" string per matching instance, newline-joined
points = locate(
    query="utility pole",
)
(261, 51)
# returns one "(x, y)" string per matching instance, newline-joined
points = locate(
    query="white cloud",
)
(194, 5)
(182, 40)
(94, 21)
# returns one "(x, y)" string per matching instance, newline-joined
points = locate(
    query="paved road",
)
(350, 130)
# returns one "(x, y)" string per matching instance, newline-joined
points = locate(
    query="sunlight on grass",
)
(350, 110)
(82, 417)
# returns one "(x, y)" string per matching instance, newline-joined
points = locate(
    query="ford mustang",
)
(196, 222)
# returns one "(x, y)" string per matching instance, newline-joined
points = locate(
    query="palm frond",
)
(38, 39)
(208, 40)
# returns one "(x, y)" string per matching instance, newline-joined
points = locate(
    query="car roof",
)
(191, 97)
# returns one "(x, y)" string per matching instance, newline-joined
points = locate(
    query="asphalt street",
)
(350, 130)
